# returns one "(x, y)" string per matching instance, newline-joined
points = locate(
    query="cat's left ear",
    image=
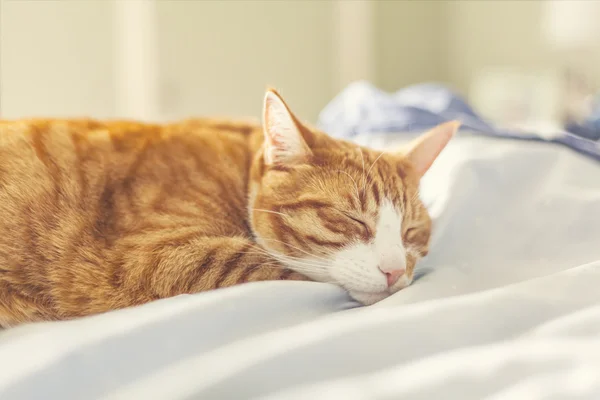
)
(284, 143)
(423, 151)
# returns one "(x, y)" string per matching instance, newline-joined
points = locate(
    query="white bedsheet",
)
(506, 306)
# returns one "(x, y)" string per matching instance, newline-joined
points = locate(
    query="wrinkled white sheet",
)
(506, 306)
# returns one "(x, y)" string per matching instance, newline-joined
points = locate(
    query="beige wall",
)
(409, 42)
(505, 33)
(56, 58)
(216, 57)
(451, 41)
(493, 33)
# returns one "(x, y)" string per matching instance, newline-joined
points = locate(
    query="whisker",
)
(297, 268)
(270, 266)
(372, 165)
(415, 196)
(270, 211)
(328, 252)
(297, 248)
(413, 251)
(287, 258)
(362, 158)
(355, 184)
(303, 266)
(299, 262)
(306, 268)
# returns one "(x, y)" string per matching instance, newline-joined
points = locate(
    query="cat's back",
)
(66, 164)
(28, 147)
(61, 138)
(76, 196)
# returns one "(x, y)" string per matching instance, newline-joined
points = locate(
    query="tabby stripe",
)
(288, 231)
(261, 166)
(380, 172)
(351, 199)
(44, 156)
(248, 270)
(234, 210)
(79, 165)
(41, 151)
(198, 272)
(146, 279)
(286, 235)
(376, 194)
(104, 220)
(36, 252)
(279, 168)
(309, 203)
(188, 179)
(362, 196)
(231, 264)
(333, 223)
(400, 169)
(160, 205)
(241, 129)
(126, 184)
(333, 217)
(324, 243)
(404, 199)
(336, 228)
(117, 270)
(185, 214)
(285, 273)
(180, 240)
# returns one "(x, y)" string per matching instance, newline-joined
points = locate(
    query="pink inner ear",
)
(282, 136)
(275, 141)
(274, 115)
(428, 147)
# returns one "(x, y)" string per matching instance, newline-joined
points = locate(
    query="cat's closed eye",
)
(416, 235)
(360, 222)
(411, 233)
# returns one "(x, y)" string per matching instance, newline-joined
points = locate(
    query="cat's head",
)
(337, 212)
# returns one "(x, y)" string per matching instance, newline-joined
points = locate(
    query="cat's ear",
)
(423, 151)
(284, 143)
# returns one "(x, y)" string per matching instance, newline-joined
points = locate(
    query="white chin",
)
(368, 298)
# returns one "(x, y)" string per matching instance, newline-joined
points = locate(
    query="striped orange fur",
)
(96, 216)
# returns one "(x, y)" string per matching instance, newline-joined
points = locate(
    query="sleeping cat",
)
(96, 216)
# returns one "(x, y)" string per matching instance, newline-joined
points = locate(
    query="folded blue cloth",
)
(590, 127)
(363, 108)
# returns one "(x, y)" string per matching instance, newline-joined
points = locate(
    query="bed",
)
(506, 305)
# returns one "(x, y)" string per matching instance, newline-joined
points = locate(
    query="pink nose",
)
(393, 276)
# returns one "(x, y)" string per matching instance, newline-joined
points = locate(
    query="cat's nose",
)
(392, 276)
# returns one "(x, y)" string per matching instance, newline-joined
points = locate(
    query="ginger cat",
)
(96, 216)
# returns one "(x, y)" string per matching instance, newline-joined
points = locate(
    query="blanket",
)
(506, 305)
(362, 108)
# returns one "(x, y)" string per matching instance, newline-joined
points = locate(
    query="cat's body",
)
(99, 216)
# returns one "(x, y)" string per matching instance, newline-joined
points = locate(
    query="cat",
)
(97, 216)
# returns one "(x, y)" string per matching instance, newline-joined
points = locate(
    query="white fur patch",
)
(358, 268)
(388, 238)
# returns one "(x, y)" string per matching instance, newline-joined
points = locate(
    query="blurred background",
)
(162, 60)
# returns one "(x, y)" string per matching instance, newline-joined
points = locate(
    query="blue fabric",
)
(362, 108)
(590, 128)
